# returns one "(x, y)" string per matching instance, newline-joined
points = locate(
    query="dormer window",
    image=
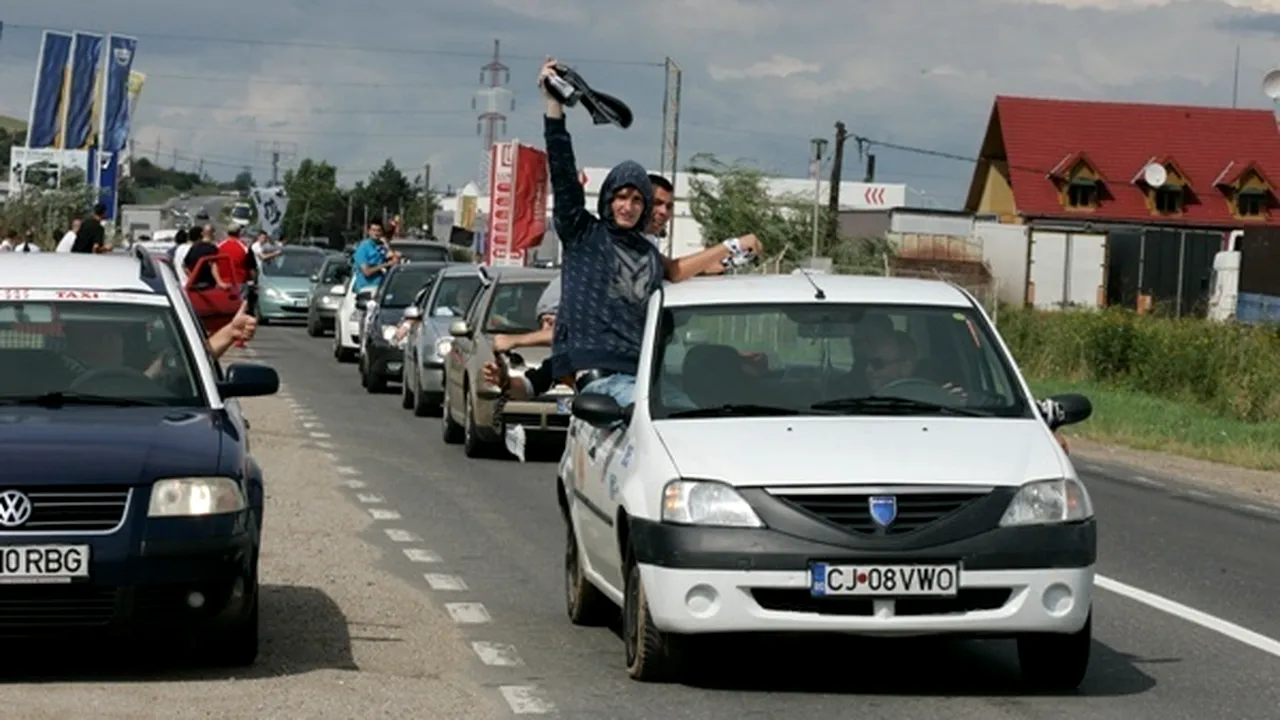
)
(1251, 203)
(1082, 194)
(1248, 191)
(1169, 199)
(1165, 186)
(1079, 182)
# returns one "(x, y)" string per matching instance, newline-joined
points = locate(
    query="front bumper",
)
(385, 360)
(141, 582)
(538, 415)
(1011, 580)
(276, 309)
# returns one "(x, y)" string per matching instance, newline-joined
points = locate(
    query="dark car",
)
(381, 356)
(202, 214)
(130, 504)
(416, 251)
(328, 286)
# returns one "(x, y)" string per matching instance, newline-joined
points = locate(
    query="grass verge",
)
(1145, 422)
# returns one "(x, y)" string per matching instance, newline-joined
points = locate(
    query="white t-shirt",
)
(6, 246)
(64, 245)
(26, 247)
(179, 260)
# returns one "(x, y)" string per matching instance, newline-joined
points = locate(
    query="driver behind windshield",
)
(101, 346)
(892, 358)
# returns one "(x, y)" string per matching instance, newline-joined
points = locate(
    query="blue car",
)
(130, 503)
(284, 284)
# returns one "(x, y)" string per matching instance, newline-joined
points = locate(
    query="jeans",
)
(622, 388)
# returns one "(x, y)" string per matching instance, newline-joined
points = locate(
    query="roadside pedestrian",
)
(91, 238)
(371, 260)
(69, 240)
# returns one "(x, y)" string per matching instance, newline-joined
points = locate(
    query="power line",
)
(306, 111)
(260, 80)
(320, 45)
(227, 130)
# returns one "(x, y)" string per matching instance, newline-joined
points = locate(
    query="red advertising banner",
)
(530, 222)
(518, 183)
(502, 179)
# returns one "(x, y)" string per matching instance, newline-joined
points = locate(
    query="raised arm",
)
(570, 211)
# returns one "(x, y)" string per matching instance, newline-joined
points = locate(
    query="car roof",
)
(454, 269)
(513, 273)
(795, 288)
(57, 271)
(419, 243)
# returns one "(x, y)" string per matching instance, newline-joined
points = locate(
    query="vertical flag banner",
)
(136, 81)
(82, 92)
(105, 167)
(502, 198)
(529, 214)
(272, 204)
(115, 93)
(46, 97)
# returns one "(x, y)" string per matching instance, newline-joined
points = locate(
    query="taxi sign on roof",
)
(11, 294)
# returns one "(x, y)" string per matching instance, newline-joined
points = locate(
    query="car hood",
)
(93, 445)
(852, 450)
(287, 284)
(390, 316)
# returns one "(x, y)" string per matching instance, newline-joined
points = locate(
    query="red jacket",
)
(239, 254)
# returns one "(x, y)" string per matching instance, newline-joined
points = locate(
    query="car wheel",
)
(451, 432)
(238, 647)
(406, 395)
(315, 328)
(421, 408)
(1055, 662)
(263, 321)
(651, 657)
(472, 445)
(372, 383)
(584, 601)
(341, 354)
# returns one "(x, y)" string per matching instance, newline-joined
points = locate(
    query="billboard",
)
(517, 202)
(46, 168)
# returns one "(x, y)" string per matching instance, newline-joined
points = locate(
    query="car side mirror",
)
(248, 380)
(363, 297)
(1065, 409)
(413, 312)
(600, 410)
(338, 290)
(458, 328)
(315, 277)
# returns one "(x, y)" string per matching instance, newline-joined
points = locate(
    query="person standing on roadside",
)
(91, 238)
(209, 275)
(372, 259)
(244, 267)
(69, 240)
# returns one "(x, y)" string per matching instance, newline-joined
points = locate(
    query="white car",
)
(828, 454)
(347, 327)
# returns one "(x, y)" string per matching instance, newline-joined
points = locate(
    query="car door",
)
(596, 473)
(460, 351)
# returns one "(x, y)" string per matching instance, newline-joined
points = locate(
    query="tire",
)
(1055, 662)
(406, 397)
(238, 646)
(451, 432)
(651, 655)
(472, 445)
(263, 321)
(341, 354)
(586, 605)
(315, 328)
(373, 384)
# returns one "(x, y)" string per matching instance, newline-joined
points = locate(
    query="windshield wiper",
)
(65, 397)
(895, 405)
(734, 411)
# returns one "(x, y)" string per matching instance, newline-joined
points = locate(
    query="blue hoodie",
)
(607, 273)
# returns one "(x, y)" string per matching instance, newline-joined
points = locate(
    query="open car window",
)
(827, 358)
(514, 309)
(454, 296)
(403, 285)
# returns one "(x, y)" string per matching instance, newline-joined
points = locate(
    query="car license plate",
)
(563, 405)
(828, 580)
(30, 564)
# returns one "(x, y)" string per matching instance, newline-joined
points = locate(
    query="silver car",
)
(428, 341)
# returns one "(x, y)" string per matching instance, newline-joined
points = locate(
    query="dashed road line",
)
(323, 444)
(370, 499)
(355, 484)
(383, 514)
(319, 435)
(445, 583)
(526, 700)
(420, 555)
(468, 613)
(346, 470)
(401, 536)
(1262, 510)
(312, 425)
(497, 654)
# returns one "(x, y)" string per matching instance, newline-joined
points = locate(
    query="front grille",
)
(800, 601)
(78, 508)
(534, 422)
(25, 609)
(853, 511)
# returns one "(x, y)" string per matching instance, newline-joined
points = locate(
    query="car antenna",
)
(818, 294)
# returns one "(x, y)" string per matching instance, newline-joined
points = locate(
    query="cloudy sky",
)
(359, 82)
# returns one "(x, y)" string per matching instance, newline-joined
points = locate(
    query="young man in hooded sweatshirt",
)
(610, 266)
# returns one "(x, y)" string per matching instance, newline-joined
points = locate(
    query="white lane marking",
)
(1091, 467)
(421, 556)
(401, 536)
(1197, 494)
(355, 484)
(320, 435)
(323, 444)
(497, 654)
(346, 470)
(1144, 480)
(370, 499)
(439, 581)
(1191, 615)
(383, 514)
(1262, 509)
(312, 425)
(331, 457)
(468, 613)
(526, 700)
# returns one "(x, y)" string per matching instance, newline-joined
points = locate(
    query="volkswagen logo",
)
(15, 508)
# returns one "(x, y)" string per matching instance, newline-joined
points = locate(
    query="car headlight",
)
(1048, 501)
(195, 497)
(389, 332)
(703, 502)
(328, 300)
(274, 294)
(443, 346)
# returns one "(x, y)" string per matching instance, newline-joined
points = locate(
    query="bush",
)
(1228, 368)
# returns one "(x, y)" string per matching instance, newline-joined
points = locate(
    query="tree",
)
(316, 205)
(45, 213)
(243, 181)
(388, 192)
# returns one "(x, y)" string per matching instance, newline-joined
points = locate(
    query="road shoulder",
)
(1253, 485)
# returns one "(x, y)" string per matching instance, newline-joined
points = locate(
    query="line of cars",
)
(805, 454)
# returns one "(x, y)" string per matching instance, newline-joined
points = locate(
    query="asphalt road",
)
(484, 539)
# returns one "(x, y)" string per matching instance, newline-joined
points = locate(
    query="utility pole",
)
(158, 160)
(426, 197)
(173, 164)
(817, 146)
(200, 168)
(277, 151)
(833, 201)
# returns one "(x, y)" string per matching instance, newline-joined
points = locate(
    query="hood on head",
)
(627, 172)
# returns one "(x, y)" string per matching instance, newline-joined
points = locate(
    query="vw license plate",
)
(31, 564)
(828, 580)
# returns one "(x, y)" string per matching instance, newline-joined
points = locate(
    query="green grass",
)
(12, 124)
(1145, 422)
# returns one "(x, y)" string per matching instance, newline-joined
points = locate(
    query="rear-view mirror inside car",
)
(248, 380)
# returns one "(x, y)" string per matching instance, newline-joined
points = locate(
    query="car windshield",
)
(454, 296)
(515, 307)
(422, 253)
(404, 284)
(297, 263)
(336, 272)
(64, 352)
(240, 212)
(830, 358)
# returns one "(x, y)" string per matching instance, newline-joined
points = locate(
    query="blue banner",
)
(46, 98)
(115, 93)
(106, 168)
(82, 92)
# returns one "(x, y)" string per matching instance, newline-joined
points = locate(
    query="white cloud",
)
(778, 66)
